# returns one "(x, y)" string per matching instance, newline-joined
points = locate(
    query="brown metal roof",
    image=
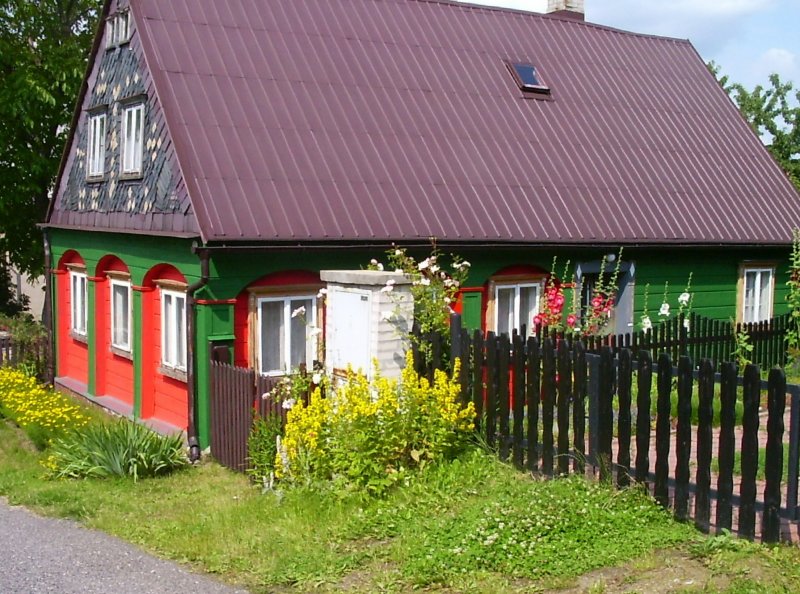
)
(309, 120)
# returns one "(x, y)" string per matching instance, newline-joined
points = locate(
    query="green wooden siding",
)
(714, 283)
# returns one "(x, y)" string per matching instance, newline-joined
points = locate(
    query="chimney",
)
(571, 9)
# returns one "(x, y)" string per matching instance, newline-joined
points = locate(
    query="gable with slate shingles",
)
(157, 202)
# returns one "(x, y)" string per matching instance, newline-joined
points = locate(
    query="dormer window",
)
(528, 78)
(118, 29)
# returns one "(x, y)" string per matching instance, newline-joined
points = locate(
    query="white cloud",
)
(779, 60)
(709, 24)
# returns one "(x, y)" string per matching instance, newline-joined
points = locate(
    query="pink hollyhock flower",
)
(571, 320)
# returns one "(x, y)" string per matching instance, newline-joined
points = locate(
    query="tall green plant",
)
(121, 448)
(793, 299)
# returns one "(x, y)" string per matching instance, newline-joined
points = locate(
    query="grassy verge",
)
(473, 526)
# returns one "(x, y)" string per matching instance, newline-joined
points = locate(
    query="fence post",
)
(579, 408)
(705, 417)
(773, 468)
(503, 396)
(606, 413)
(683, 446)
(624, 419)
(644, 386)
(533, 393)
(478, 369)
(564, 397)
(663, 408)
(593, 392)
(727, 446)
(794, 453)
(548, 400)
(492, 368)
(456, 350)
(747, 490)
(519, 399)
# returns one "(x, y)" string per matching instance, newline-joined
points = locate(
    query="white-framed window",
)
(118, 29)
(173, 329)
(132, 134)
(515, 305)
(96, 145)
(286, 333)
(757, 291)
(79, 303)
(121, 314)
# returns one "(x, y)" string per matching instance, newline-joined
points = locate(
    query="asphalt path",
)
(40, 555)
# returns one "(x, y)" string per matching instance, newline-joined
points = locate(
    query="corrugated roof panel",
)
(392, 119)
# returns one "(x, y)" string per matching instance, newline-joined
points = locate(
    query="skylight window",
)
(528, 78)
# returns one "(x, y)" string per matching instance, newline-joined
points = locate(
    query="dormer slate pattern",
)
(157, 201)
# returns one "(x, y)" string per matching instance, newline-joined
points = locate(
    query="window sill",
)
(79, 337)
(171, 372)
(131, 176)
(95, 179)
(120, 352)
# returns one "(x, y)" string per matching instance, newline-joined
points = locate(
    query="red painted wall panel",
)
(163, 397)
(73, 355)
(113, 373)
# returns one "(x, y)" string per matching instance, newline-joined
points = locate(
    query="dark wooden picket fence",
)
(556, 408)
(239, 394)
(700, 337)
(704, 338)
(30, 353)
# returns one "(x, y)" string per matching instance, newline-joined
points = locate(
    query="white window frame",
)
(515, 314)
(96, 145)
(173, 330)
(286, 347)
(125, 284)
(758, 271)
(79, 302)
(122, 27)
(118, 29)
(132, 139)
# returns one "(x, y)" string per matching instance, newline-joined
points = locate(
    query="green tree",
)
(44, 46)
(773, 112)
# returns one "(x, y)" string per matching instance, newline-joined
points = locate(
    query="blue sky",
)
(749, 39)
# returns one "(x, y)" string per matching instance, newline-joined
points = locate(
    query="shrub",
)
(262, 447)
(121, 448)
(42, 413)
(368, 434)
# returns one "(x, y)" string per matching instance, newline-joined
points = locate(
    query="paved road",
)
(43, 555)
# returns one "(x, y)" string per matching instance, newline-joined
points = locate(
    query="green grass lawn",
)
(472, 526)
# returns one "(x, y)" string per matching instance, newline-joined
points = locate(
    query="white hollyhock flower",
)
(684, 298)
(647, 324)
(664, 311)
(299, 311)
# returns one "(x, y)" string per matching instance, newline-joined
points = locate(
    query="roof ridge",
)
(529, 13)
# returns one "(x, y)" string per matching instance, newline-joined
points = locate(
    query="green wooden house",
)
(222, 154)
